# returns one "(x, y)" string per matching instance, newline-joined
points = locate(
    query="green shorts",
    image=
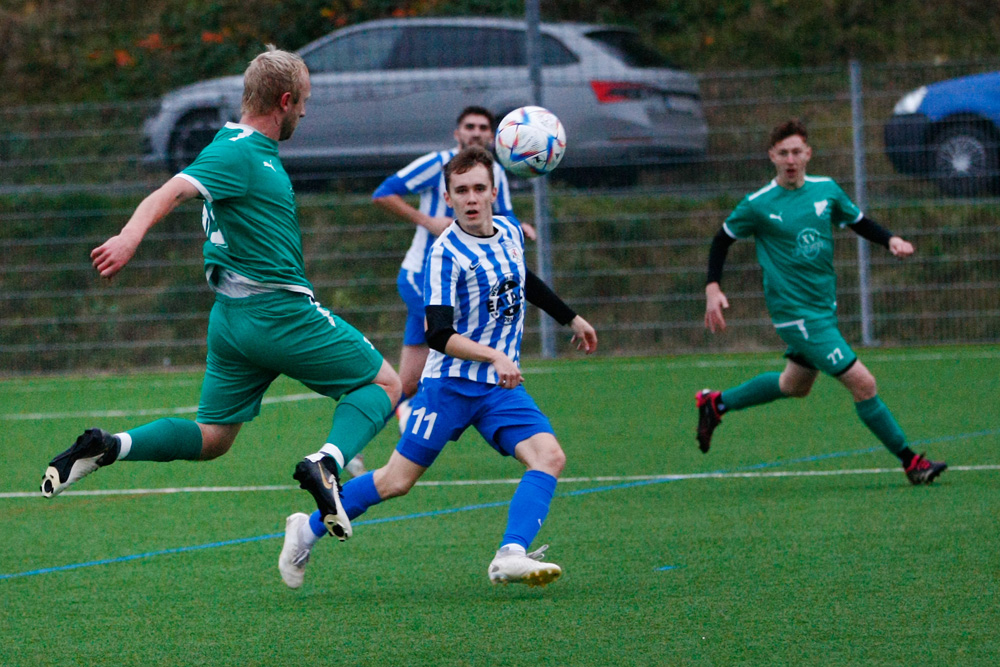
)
(253, 340)
(817, 344)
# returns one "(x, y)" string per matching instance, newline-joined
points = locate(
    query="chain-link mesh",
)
(630, 228)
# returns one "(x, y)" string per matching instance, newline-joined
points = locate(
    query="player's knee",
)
(392, 386)
(409, 387)
(798, 391)
(550, 459)
(216, 440)
(794, 389)
(391, 486)
(214, 447)
(864, 388)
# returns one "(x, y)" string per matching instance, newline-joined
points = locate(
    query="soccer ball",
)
(530, 142)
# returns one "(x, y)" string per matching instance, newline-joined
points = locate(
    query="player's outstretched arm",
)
(868, 229)
(715, 303)
(583, 335)
(399, 207)
(111, 256)
(900, 247)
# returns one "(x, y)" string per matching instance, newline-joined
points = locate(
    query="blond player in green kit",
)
(791, 221)
(266, 320)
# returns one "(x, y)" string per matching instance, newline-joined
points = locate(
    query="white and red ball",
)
(530, 142)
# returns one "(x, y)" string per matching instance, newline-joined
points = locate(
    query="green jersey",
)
(793, 230)
(249, 216)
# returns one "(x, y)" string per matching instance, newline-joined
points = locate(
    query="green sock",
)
(762, 389)
(358, 417)
(165, 440)
(879, 420)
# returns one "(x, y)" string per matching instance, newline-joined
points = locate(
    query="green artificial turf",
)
(772, 567)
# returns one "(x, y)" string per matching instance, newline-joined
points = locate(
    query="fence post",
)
(860, 198)
(533, 46)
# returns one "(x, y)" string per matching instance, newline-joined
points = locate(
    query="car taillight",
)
(622, 91)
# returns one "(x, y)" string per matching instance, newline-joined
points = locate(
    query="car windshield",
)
(629, 48)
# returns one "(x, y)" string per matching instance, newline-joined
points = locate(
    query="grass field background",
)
(808, 546)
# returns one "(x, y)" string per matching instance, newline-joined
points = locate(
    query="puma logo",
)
(776, 217)
(268, 164)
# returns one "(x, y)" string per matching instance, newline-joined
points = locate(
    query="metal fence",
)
(629, 253)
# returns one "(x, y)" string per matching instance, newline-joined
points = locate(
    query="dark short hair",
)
(477, 111)
(789, 128)
(466, 159)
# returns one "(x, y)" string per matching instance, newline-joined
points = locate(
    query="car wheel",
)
(191, 134)
(964, 160)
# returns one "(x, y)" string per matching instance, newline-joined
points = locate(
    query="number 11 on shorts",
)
(418, 418)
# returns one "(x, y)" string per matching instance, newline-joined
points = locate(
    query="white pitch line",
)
(487, 482)
(653, 363)
(191, 409)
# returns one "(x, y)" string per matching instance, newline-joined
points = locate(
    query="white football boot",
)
(512, 567)
(294, 553)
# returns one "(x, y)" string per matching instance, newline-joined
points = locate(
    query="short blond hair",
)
(267, 77)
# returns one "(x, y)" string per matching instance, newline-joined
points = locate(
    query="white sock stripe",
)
(126, 441)
(334, 451)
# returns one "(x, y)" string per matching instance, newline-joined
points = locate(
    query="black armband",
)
(867, 228)
(539, 294)
(440, 326)
(717, 256)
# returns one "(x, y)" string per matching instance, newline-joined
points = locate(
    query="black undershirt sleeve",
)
(539, 294)
(440, 326)
(440, 319)
(867, 228)
(717, 256)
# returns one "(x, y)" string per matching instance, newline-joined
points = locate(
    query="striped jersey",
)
(425, 176)
(483, 280)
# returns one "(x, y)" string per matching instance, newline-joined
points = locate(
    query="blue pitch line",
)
(149, 554)
(469, 508)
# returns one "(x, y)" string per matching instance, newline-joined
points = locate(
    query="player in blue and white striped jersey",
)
(459, 268)
(475, 291)
(425, 176)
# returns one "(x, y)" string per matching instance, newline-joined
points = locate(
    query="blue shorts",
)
(411, 287)
(445, 407)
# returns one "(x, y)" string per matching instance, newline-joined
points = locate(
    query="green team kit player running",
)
(265, 321)
(791, 221)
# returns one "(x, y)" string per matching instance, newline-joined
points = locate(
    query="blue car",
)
(949, 132)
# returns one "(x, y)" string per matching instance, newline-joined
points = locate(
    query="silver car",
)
(385, 92)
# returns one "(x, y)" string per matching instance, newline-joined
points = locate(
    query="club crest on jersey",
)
(505, 299)
(810, 243)
(820, 207)
(512, 250)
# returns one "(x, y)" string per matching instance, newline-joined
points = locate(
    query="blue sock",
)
(316, 524)
(360, 494)
(529, 507)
